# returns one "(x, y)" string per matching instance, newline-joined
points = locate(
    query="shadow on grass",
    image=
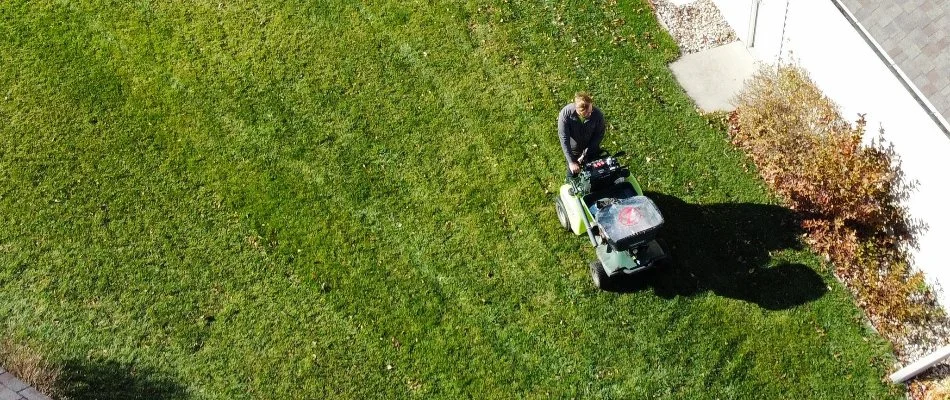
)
(726, 248)
(110, 380)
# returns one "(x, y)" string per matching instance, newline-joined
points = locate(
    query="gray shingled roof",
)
(916, 35)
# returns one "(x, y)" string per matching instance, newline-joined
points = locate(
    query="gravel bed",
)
(920, 341)
(696, 26)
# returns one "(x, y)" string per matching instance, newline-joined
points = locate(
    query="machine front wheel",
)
(562, 214)
(599, 276)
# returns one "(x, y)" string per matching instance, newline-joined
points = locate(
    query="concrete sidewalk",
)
(12, 388)
(713, 77)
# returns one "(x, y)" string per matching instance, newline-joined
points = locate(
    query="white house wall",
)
(768, 36)
(819, 38)
(736, 13)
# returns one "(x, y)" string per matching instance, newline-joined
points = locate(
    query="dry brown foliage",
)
(848, 193)
(30, 367)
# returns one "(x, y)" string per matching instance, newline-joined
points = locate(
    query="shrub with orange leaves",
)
(848, 192)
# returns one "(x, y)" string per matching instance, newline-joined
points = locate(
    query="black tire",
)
(599, 276)
(562, 214)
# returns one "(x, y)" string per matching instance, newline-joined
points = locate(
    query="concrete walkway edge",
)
(12, 388)
(713, 77)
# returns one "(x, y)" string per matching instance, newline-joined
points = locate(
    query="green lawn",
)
(342, 199)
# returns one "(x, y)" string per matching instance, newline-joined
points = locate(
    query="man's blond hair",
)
(583, 100)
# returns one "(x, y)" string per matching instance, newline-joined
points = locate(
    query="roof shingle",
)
(914, 34)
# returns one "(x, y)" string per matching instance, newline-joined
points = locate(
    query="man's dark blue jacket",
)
(577, 136)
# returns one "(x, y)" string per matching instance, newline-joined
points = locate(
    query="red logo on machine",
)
(629, 216)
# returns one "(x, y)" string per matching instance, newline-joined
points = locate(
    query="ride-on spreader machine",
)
(621, 223)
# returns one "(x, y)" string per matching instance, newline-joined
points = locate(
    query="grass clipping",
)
(848, 194)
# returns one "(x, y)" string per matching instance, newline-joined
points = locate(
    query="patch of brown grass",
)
(28, 365)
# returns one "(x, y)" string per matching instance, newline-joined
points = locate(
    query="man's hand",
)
(575, 167)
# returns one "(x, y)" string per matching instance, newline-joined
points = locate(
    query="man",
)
(580, 127)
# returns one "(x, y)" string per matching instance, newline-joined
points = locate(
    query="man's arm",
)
(564, 136)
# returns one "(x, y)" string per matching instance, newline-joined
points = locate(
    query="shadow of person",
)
(726, 248)
(111, 380)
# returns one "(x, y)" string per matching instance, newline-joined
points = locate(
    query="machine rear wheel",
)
(599, 276)
(562, 214)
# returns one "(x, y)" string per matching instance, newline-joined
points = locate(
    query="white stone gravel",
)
(920, 341)
(696, 26)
